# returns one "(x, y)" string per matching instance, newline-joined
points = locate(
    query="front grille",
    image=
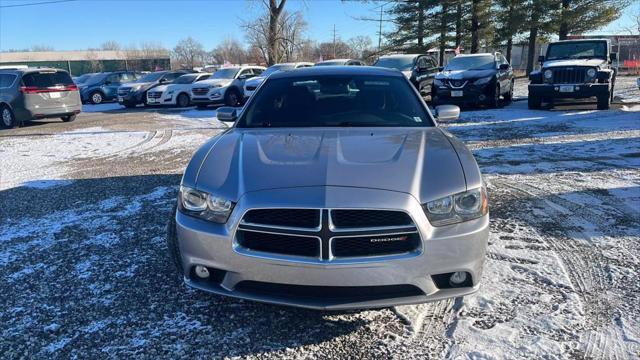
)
(301, 218)
(369, 218)
(200, 91)
(375, 245)
(154, 94)
(328, 293)
(123, 91)
(325, 234)
(457, 83)
(279, 243)
(251, 87)
(576, 75)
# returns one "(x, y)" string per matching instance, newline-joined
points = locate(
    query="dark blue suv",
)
(104, 86)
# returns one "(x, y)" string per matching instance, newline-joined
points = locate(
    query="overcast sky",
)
(79, 24)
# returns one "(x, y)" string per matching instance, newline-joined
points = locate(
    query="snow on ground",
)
(84, 272)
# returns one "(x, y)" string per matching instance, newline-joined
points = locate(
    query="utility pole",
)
(334, 41)
(380, 29)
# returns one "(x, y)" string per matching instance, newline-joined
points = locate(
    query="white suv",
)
(225, 86)
(176, 93)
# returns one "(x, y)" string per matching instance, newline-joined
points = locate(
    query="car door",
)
(110, 86)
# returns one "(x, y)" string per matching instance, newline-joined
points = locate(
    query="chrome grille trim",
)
(569, 75)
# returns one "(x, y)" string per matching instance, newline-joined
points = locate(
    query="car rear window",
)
(6, 80)
(46, 79)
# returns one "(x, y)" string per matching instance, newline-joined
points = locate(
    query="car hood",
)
(421, 162)
(464, 74)
(574, 62)
(145, 85)
(218, 82)
(161, 88)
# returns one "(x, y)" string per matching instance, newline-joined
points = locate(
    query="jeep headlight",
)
(203, 205)
(591, 73)
(457, 208)
(482, 81)
(548, 74)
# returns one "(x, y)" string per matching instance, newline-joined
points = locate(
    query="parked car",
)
(476, 79)
(82, 78)
(340, 62)
(574, 69)
(177, 93)
(225, 86)
(333, 189)
(252, 84)
(104, 86)
(134, 93)
(37, 93)
(420, 69)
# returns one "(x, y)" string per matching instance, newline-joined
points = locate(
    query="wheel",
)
(232, 98)
(604, 101)
(535, 102)
(495, 100)
(172, 243)
(8, 119)
(183, 100)
(96, 98)
(509, 95)
(68, 118)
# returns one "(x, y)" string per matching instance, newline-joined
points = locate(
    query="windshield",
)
(483, 62)
(336, 101)
(151, 77)
(185, 79)
(275, 68)
(403, 63)
(96, 78)
(577, 50)
(228, 73)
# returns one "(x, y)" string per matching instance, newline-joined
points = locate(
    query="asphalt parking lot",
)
(84, 270)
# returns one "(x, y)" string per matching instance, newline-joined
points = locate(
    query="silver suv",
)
(334, 189)
(37, 93)
(225, 86)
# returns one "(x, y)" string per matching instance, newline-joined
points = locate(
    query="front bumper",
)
(447, 249)
(132, 98)
(214, 96)
(578, 91)
(164, 99)
(471, 94)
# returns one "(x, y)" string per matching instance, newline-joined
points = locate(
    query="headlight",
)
(548, 74)
(203, 205)
(591, 73)
(457, 208)
(438, 82)
(136, 88)
(483, 81)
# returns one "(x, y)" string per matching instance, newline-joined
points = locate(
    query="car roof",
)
(401, 55)
(578, 40)
(475, 55)
(338, 70)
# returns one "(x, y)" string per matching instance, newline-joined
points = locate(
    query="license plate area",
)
(457, 93)
(566, 88)
(55, 95)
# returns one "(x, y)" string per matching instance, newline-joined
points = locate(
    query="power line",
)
(36, 3)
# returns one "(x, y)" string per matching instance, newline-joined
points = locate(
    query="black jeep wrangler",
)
(574, 69)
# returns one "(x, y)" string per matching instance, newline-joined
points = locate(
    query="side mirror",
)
(227, 114)
(163, 81)
(613, 56)
(541, 58)
(447, 112)
(504, 67)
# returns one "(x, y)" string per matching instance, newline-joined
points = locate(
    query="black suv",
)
(476, 79)
(135, 93)
(574, 69)
(418, 68)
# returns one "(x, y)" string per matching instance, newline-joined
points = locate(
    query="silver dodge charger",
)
(333, 189)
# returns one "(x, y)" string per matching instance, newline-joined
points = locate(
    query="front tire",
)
(68, 118)
(96, 98)
(183, 100)
(232, 98)
(534, 102)
(8, 120)
(172, 243)
(604, 101)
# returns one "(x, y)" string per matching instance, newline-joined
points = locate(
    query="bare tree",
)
(188, 53)
(37, 48)
(110, 45)
(360, 45)
(230, 50)
(289, 36)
